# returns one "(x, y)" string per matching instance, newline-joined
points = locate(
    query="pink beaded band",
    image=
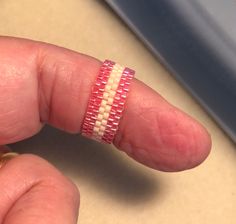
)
(106, 103)
(96, 98)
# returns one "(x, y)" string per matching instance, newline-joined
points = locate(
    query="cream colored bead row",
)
(107, 101)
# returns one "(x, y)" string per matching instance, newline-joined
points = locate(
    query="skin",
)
(37, 82)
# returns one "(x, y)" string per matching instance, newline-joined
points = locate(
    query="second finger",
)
(33, 191)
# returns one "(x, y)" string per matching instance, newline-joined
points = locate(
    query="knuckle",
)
(66, 187)
(73, 189)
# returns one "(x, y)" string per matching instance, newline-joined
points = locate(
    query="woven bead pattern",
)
(118, 105)
(107, 102)
(96, 98)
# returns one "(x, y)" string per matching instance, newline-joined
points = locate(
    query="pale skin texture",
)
(37, 82)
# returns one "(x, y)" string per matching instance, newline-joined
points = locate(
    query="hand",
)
(37, 82)
(33, 191)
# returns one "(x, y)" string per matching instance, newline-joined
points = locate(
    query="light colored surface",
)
(114, 188)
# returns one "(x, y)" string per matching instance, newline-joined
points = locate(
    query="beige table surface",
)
(114, 188)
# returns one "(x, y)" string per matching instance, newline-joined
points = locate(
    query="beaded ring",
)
(107, 101)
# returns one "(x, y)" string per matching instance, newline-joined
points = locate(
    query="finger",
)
(33, 191)
(44, 83)
(160, 135)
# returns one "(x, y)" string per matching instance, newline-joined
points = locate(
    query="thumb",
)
(43, 83)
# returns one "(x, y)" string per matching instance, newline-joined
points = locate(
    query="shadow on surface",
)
(103, 168)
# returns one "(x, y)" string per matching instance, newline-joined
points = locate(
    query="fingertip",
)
(202, 147)
(186, 140)
(159, 135)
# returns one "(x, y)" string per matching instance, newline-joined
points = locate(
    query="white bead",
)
(102, 128)
(98, 123)
(112, 75)
(120, 70)
(105, 95)
(114, 86)
(110, 81)
(103, 103)
(104, 122)
(99, 117)
(116, 67)
(112, 93)
(108, 87)
(108, 108)
(106, 115)
(100, 133)
(96, 129)
(102, 110)
(110, 101)
(119, 75)
(116, 80)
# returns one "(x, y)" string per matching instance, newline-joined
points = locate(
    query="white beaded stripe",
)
(108, 98)
(105, 108)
